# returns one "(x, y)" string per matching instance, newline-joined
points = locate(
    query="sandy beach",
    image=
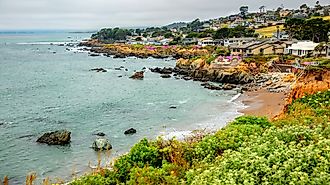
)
(263, 103)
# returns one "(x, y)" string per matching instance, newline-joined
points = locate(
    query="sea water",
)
(45, 87)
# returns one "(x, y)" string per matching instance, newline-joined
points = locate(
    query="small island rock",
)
(101, 144)
(138, 75)
(61, 137)
(130, 131)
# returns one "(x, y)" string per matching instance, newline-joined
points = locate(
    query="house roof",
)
(304, 45)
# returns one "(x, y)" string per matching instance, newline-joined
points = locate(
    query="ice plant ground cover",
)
(294, 149)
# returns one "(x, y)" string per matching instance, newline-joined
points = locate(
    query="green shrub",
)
(141, 154)
(252, 120)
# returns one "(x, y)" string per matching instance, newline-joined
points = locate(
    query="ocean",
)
(45, 87)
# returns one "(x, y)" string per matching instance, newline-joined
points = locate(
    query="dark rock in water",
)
(120, 76)
(100, 134)
(94, 55)
(130, 131)
(211, 86)
(164, 70)
(172, 107)
(101, 144)
(126, 69)
(61, 137)
(205, 84)
(144, 68)
(119, 56)
(165, 76)
(117, 68)
(228, 87)
(99, 70)
(138, 75)
(122, 67)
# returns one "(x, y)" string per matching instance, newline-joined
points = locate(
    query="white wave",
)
(183, 101)
(235, 97)
(179, 135)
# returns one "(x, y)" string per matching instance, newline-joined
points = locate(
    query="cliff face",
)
(200, 70)
(310, 83)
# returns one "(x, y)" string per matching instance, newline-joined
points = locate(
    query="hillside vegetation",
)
(294, 149)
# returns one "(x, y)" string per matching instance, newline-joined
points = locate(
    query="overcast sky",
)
(94, 14)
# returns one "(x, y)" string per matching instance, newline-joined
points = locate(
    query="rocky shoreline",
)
(122, 51)
(242, 77)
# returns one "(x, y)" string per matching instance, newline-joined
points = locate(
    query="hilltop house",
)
(301, 48)
(285, 13)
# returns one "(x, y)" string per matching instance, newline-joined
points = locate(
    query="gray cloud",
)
(94, 14)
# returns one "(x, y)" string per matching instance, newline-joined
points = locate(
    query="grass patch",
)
(269, 31)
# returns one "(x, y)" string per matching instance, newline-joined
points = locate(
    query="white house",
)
(301, 48)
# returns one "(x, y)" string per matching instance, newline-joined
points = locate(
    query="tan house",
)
(259, 48)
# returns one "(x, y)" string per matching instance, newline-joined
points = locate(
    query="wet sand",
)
(263, 103)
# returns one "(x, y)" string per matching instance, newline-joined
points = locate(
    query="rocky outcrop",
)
(61, 137)
(101, 144)
(138, 75)
(310, 82)
(130, 131)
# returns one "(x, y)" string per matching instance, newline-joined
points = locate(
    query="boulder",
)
(138, 75)
(101, 144)
(172, 107)
(211, 86)
(100, 134)
(130, 131)
(165, 76)
(60, 137)
(164, 70)
(99, 70)
(228, 87)
(94, 55)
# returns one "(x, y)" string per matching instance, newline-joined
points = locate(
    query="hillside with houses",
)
(301, 32)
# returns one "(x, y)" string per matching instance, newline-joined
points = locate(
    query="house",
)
(265, 47)
(238, 22)
(285, 13)
(243, 40)
(189, 41)
(301, 48)
(282, 35)
(209, 42)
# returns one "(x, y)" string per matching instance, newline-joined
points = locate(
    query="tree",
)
(168, 35)
(244, 11)
(222, 33)
(321, 47)
(109, 34)
(311, 29)
(303, 6)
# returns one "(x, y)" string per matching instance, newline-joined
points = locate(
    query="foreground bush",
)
(250, 150)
